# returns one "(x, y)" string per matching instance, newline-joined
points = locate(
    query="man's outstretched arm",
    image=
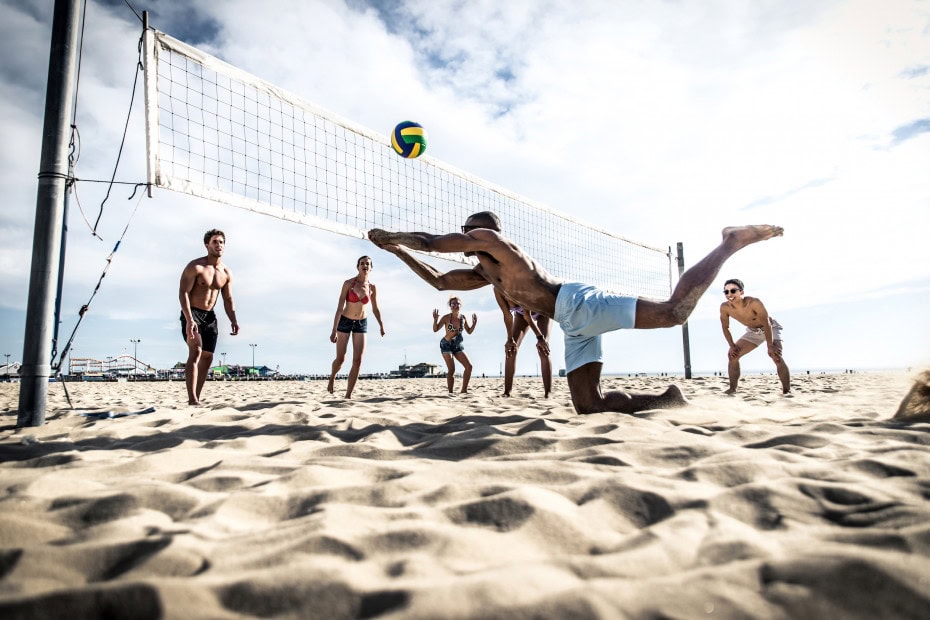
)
(475, 241)
(413, 240)
(456, 280)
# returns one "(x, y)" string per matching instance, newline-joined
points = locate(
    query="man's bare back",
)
(514, 273)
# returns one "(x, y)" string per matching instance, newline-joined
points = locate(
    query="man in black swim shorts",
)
(202, 282)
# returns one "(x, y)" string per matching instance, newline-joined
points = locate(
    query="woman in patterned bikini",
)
(451, 345)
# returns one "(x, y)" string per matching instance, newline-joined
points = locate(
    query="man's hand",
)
(377, 236)
(510, 348)
(734, 351)
(191, 330)
(235, 329)
(775, 350)
(542, 346)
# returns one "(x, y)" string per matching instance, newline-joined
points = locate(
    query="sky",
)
(660, 121)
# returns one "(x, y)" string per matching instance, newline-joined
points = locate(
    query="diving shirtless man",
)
(203, 280)
(583, 312)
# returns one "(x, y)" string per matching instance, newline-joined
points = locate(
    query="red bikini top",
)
(353, 298)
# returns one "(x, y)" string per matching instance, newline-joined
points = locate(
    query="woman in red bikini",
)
(350, 320)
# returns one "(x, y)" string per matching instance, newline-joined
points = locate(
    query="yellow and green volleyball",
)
(409, 139)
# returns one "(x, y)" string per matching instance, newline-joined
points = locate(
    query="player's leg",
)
(208, 333)
(697, 279)
(191, 368)
(358, 351)
(510, 362)
(450, 371)
(545, 362)
(784, 375)
(466, 369)
(342, 344)
(733, 368)
(203, 369)
(584, 384)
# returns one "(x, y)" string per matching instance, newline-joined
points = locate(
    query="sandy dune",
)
(278, 500)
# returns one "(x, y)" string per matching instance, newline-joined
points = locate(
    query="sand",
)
(276, 500)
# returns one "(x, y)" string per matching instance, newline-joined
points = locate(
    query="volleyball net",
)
(217, 132)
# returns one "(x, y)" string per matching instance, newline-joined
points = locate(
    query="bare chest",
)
(211, 277)
(747, 316)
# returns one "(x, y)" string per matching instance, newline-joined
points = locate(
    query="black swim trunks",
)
(206, 327)
(347, 326)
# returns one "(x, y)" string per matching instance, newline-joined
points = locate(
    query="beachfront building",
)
(10, 371)
(236, 371)
(120, 366)
(423, 369)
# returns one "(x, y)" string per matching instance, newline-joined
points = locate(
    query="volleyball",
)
(409, 139)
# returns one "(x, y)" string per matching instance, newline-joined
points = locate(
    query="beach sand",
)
(276, 500)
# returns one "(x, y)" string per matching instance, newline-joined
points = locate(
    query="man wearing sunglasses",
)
(583, 312)
(760, 327)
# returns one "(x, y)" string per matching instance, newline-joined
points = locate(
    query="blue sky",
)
(663, 122)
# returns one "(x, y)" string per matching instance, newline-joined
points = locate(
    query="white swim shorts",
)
(584, 312)
(756, 335)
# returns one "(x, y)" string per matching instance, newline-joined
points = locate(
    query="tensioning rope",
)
(72, 184)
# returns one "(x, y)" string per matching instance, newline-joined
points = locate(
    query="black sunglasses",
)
(731, 291)
(465, 229)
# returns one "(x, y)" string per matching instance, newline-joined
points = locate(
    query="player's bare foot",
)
(741, 236)
(330, 388)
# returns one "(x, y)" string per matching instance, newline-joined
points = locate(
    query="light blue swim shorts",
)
(584, 312)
